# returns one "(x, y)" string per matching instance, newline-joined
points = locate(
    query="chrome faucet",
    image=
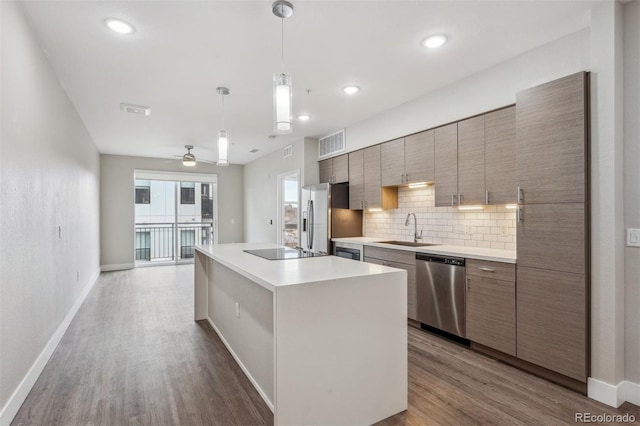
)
(416, 237)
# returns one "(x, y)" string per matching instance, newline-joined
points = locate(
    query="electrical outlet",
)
(469, 229)
(237, 309)
(633, 237)
(233, 221)
(504, 230)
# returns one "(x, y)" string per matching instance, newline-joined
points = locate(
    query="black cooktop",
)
(283, 253)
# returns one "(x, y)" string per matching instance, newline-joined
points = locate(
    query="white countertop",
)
(494, 255)
(272, 274)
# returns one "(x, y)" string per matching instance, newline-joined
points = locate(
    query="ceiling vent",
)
(331, 144)
(287, 151)
(254, 150)
(136, 109)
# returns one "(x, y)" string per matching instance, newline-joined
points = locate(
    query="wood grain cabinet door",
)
(356, 180)
(392, 162)
(551, 129)
(552, 236)
(551, 312)
(500, 156)
(419, 157)
(471, 188)
(341, 168)
(446, 165)
(491, 313)
(372, 181)
(326, 170)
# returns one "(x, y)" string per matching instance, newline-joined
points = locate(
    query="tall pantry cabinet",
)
(552, 167)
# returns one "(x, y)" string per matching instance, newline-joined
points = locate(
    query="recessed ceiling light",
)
(434, 41)
(350, 90)
(304, 117)
(119, 26)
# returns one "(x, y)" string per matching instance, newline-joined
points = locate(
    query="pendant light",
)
(223, 135)
(282, 90)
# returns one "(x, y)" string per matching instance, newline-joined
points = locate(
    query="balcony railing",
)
(157, 241)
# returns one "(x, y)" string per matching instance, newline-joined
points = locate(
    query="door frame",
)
(280, 202)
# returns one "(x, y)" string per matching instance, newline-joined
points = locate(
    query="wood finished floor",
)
(134, 356)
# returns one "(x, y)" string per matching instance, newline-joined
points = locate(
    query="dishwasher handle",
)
(447, 260)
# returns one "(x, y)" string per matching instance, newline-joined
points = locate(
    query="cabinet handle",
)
(484, 268)
(486, 197)
(466, 284)
(406, 178)
(520, 215)
(520, 195)
(460, 199)
(453, 199)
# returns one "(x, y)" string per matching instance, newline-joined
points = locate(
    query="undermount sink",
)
(408, 243)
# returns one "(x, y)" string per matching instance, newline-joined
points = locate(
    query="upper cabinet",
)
(551, 147)
(335, 169)
(500, 156)
(446, 165)
(392, 168)
(365, 189)
(419, 157)
(471, 166)
(408, 160)
(356, 180)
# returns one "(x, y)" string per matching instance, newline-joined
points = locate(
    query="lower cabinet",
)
(400, 259)
(491, 305)
(552, 327)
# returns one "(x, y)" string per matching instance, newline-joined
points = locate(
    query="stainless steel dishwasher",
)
(441, 292)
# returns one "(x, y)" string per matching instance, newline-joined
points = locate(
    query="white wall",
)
(117, 192)
(607, 245)
(481, 92)
(261, 187)
(50, 177)
(632, 185)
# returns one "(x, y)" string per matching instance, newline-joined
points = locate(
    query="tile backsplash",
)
(492, 227)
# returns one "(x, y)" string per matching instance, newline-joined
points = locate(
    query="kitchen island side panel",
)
(342, 350)
(247, 329)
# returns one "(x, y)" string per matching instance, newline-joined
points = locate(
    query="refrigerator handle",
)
(311, 231)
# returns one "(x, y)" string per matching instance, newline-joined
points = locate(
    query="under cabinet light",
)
(511, 206)
(375, 209)
(418, 185)
(470, 207)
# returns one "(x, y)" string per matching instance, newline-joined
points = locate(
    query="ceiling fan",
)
(189, 159)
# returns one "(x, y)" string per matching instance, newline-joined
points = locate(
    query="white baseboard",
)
(242, 367)
(630, 392)
(14, 403)
(611, 395)
(117, 267)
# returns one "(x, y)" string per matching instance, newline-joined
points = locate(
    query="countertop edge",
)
(443, 249)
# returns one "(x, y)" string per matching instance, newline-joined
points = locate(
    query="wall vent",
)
(287, 151)
(331, 144)
(136, 109)
(254, 150)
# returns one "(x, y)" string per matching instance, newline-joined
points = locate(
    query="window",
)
(187, 240)
(143, 195)
(187, 193)
(143, 245)
(206, 204)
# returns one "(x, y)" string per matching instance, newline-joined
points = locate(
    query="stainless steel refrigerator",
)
(326, 215)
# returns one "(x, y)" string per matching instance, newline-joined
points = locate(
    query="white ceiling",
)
(183, 50)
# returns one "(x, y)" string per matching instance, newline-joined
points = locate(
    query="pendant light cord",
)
(223, 112)
(282, 44)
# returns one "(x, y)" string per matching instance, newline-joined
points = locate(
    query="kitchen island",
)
(322, 339)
